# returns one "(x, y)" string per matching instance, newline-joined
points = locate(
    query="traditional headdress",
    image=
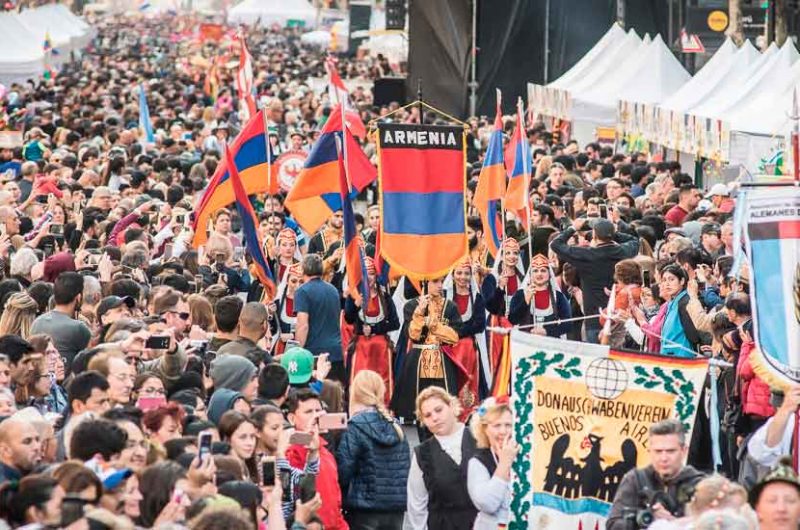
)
(465, 263)
(286, 234)
(540, 261)
(511, 244)
(295, 270)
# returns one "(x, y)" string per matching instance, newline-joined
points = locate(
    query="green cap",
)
(299, 363)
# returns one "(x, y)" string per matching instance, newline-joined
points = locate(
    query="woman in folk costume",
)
(283, 323)
(470, 350)
(433, 326)
(286, 253)
(498, 288)
(540, 302)
(282, 254)
(370, 347)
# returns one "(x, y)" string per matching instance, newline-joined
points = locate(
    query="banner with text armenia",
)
(422, 186)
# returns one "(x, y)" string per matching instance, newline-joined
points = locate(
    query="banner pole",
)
(268, 148)
(526, 171)
(419, 99)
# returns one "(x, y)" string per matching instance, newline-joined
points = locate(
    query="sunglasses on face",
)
(181, 315)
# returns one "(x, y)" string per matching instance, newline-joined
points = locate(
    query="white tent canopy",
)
(84, 33)
(727, 100)
(698, 86)
(612, 37)
(648, 76)
(658, 76)
(768, 111)
(44, 21)
(607, 63)
(21, 53)
(269, 12)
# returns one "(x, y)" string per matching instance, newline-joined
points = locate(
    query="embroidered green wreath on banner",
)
(528, 368)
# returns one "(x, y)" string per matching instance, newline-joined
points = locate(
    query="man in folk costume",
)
(285, 316)
(497, 290)
(470, 350)
(539, 303)
(433, 326)
(478, 250)
(329, 234)
(370, 347)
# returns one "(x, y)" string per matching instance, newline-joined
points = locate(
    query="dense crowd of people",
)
(147, 383)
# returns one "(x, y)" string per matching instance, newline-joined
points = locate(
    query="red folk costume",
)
(471, 346)
(498, 299)
(370, 347)
(285, 238)
(287, 315)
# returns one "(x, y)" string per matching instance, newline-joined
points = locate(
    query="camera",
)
(643, 517)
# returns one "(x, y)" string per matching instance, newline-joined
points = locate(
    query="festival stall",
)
(270, 12)
(649, 76)
(21, 53)
(668, 124)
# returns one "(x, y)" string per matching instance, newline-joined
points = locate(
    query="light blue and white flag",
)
(772, 240)
(149, 138)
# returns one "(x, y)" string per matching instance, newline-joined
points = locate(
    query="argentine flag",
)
(144, 119)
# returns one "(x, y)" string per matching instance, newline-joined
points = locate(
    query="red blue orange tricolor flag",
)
(518, 165)
(492, 187)
(250, 229)
(249, 150)
(353, 253)
(315, 195)
(422, 185)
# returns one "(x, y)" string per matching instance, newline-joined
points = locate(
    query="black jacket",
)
(595, 265)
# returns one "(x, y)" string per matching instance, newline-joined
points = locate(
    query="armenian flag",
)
(354, 255)
(249, 150)
(250, 228)
(422, 185)
(492, 187)
(518, 165)
(316, 192)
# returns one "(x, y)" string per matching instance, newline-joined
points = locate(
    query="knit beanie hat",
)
(232, 371)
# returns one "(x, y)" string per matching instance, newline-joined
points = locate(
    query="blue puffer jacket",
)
(373, 464)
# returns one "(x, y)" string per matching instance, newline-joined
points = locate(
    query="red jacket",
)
(755, 392)
(327, 484)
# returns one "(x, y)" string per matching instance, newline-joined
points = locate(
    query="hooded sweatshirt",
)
(232, 371)
(222, 400)
(373, 461)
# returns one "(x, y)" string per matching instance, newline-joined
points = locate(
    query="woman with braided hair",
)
(373, 458)
(18, 315)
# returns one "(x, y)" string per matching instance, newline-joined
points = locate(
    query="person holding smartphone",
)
(305, 408)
